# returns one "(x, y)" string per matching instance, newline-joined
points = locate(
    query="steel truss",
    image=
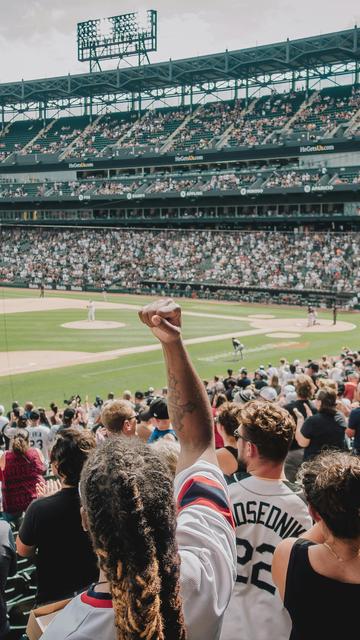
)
(297, 64)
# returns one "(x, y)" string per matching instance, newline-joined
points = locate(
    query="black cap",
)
(34, 415)
(69, 413)
(157, 409)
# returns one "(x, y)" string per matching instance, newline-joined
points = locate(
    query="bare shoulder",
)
(280, 564)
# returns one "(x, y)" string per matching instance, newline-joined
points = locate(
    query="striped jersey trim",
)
(200, 490)
(95, 601)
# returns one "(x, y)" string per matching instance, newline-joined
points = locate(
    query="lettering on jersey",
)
(200, 490)
(254, 512)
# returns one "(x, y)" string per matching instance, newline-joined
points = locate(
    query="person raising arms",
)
(162, 576)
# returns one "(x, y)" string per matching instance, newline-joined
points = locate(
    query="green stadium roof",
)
(296, 56)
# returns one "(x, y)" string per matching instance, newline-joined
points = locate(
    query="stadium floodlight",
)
(129, 34)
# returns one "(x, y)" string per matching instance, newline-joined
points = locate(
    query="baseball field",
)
(50, 351)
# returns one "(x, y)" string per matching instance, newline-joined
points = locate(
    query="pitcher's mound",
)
(93, 325)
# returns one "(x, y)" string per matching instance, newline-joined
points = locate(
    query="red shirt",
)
(350, 388)
(19, 479)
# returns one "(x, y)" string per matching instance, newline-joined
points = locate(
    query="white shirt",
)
(207, 550)
(265, 512)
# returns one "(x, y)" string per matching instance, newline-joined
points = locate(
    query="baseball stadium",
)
(224, 188)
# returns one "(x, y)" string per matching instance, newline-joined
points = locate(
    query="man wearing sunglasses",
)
(266, 509)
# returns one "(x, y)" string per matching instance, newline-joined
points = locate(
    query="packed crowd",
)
(269, 177)
(265, 471)
(299, 261)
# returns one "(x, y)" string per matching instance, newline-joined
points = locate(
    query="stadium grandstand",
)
(233, 176)
(255, 140)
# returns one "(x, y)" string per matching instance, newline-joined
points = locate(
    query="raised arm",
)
(188, 403)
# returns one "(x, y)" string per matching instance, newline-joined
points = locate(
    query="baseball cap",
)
(69, 413)
(296, 363)
(2, 409)
(242, 370)
(289, 388)
(157, 409)
(244, 395)
(34, 415)
(268, 393)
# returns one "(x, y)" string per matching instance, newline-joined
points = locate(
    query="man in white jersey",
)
(266, 509)
(39, 434)
(91, 310)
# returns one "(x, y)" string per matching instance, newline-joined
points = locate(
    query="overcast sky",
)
(38, 37)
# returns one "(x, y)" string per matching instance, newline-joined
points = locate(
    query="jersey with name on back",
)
(265, 512)
(39, 437)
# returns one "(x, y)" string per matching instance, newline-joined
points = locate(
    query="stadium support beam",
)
(293, 62)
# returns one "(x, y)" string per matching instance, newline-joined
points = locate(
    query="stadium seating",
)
(103, 135)
(17, 135)
(267, 119)
(321, 261)
(268, 116)
(329, 111)
(56, 137)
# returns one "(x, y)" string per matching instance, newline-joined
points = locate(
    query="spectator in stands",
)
(266, 509)
(119, 418)
(22, 469)
(3, 422)
(305, 390)
(324, 429)
(226, 423)
(7, 568)
(65, 561)
(353, 430)
(133, 526)
(318, 578)
(39, 434)
(159, 415)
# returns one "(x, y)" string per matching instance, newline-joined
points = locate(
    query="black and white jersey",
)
(39, 437)
(265, 512)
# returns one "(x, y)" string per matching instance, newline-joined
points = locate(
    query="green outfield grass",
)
(43, 331)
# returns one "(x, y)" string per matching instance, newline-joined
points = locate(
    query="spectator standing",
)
(161, 586)
(65, 560)
(39, 434)
(266, 509)
(227, 423)
(319, 577)
(158, 413)
(353, 430)
(22, 469)
(119, 418)
(305, 390)
(325, 429)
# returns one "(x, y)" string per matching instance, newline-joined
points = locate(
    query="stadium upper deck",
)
(272, 143)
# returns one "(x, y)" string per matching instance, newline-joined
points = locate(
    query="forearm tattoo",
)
(177, 409)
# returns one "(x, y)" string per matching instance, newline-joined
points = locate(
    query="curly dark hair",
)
(269, 427)
(127, 493)
(331, 483)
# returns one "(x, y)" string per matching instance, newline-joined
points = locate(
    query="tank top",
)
(319, 607)
(19, 479)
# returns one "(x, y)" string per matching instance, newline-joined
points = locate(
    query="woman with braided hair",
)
(319, 577)
(167, 566)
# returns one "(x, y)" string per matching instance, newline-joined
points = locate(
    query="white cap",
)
(268, 393)
(2, 409)
(296, 363)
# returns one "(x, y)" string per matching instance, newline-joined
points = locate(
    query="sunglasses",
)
(239, 436)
